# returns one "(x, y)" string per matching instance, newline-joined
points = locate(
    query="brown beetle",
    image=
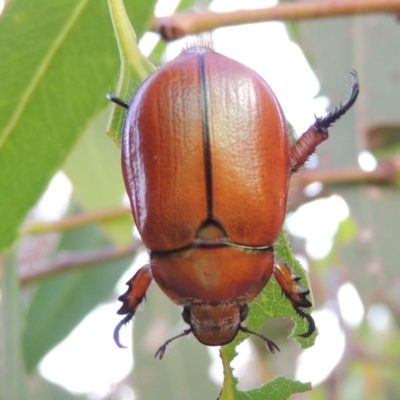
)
(206, 159)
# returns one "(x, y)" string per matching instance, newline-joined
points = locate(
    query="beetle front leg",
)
(296, 293)
(137, 288)
(117, 101)
(318, 132)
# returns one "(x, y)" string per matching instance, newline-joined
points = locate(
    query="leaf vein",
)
(41, 70)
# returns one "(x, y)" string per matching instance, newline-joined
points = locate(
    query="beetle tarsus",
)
(132, 298)
(310, 320)
(161, 351)
(117, 100)
(270, 344)
(137, 287)
(123, 322)
(322, 123)
(318, 132)
(127, 304)
(295, 293)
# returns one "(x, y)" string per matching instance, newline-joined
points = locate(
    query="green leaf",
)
(13, 380)
(50, 93)
(58, 60)
(280, 388)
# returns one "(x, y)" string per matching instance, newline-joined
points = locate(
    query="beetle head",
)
(212, 325)
(215, 325)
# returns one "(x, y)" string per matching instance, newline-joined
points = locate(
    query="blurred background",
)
(58, 60)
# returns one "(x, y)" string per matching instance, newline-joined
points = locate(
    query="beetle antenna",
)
(117, 100)
(325, 122)
(270, 344)
(123, 322)
(161, 350)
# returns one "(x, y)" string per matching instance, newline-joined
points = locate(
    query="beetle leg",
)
(137, 287)
(117, 100)
(318, 132)
(270, 344)
(161, 351)
(296, 293)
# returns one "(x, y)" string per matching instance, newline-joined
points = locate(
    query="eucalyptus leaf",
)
(49, 93)
(58, 60)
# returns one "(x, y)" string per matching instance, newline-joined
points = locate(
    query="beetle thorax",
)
(214, 325)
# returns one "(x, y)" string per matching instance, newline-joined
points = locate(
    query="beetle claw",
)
(120, 324)
(310, 320)
(322, 123)
(318, 132)
(272, 346)
(160, 352)
(132, 298)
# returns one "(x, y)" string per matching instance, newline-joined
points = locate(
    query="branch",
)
(386, 172)
(37, 228)
(178, 25)
(68, 261)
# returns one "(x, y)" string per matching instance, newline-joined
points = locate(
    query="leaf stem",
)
(230, 381)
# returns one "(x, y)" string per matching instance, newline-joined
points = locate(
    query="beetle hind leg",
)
(325, 122)
(295, 293)
(318, 132)
(131, 299)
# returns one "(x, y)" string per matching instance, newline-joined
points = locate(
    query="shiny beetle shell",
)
(206, 138)
(206, 159)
